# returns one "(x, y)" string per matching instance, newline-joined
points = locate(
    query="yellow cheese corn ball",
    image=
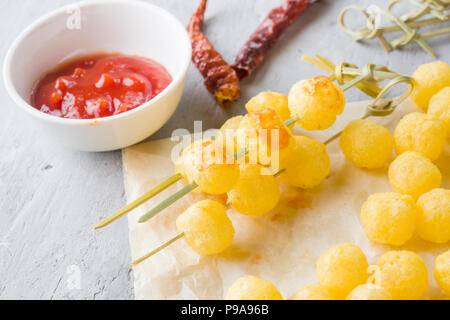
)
(307, 164)
(316, 102)
(259, 131)
(341, 268)
(366, 144)
(314, 292)
(389, 218)
(442, 271)
(277, 101)
(369, 291)
(253, 288)
(422, 133)
(254, 193)
(413, 174)
(433, 220)
(215, 172)
(430, 78)
(402, 273)
(227, 134)
(440, 107)
(207, 228)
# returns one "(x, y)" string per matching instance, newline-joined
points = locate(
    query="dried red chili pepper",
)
(267, 34)
(220, 79)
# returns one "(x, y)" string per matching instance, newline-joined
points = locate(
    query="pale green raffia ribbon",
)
(408, 23)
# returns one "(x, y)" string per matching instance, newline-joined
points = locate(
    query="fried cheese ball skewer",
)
(198, 163)
(279, 103)
(327, 102)
(201, 165)
(206, 163)
(204, 226)
(262, 120)
(253, 288)
(316, 103)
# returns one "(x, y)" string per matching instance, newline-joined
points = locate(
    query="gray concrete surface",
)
(50, 197)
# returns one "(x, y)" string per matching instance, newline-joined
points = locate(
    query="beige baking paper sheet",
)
(281, 246)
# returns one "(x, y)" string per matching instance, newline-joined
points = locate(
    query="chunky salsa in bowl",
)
(99, 102)
(99, 85)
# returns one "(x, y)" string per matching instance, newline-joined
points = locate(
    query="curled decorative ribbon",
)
(408, 23)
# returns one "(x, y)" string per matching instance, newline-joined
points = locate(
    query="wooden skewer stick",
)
(168, 201)
(160, 248)
(241, 153)
(279, 172)
(290, 121)
(136, 203)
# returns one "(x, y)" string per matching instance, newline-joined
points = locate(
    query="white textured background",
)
(51, 197)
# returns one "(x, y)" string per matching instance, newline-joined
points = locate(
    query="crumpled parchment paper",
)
(283, 245)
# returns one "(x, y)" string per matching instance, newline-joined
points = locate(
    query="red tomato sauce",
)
(99, 86)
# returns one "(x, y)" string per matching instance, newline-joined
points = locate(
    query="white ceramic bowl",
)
(125, 26)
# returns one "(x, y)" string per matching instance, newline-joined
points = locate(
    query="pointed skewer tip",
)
(141, 220)
(99, 226)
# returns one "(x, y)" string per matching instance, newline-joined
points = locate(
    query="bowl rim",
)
(16, 97)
